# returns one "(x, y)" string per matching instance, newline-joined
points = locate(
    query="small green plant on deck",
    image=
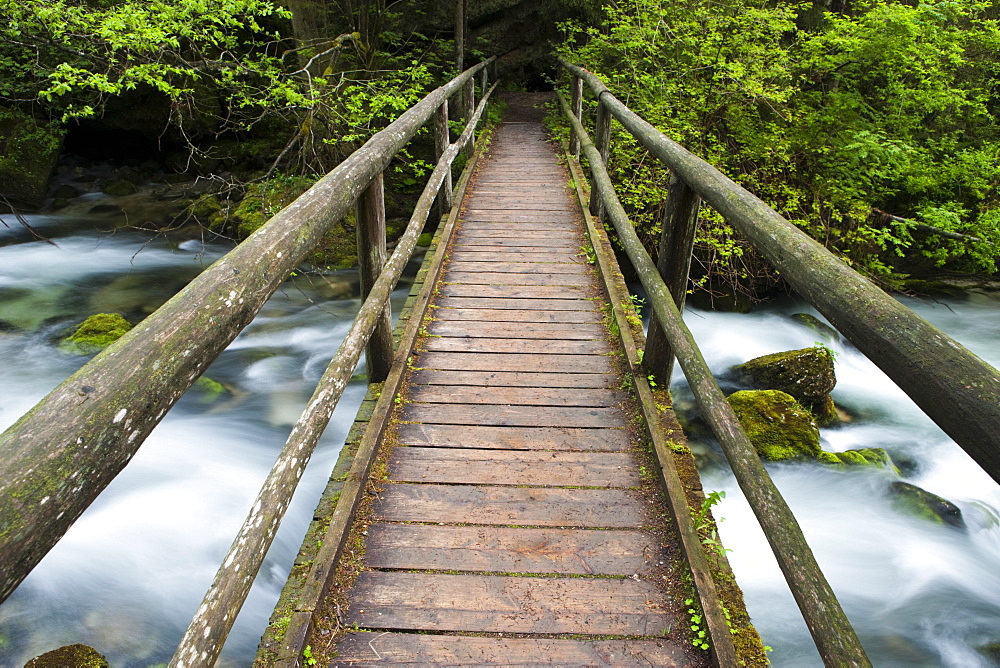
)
(700, 639)
(705, 527)
(308, 656)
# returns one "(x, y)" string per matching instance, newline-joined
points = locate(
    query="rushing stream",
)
(918, 593)
(128, 576)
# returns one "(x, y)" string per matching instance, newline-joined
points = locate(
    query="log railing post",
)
(602, 140)
(469, 95)
(441, 140)
(576, 101)
(674, 264)
(484, 81)
(371, 258)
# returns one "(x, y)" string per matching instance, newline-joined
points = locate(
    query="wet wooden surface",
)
(512, 504)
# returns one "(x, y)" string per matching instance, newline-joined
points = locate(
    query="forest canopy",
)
(873, 127)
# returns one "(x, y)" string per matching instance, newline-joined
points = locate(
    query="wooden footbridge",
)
(516, 489)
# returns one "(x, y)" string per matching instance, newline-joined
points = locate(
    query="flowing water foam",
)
(918, 593)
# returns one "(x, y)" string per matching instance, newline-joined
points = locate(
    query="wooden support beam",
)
(442, 138)
(602, 132)
(576, 101)
(371, 258)
(674, 264)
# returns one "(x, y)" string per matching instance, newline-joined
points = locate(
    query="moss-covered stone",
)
(209, 391)
(74, 656)
(120, 188)
(806, 374)
(875, 457)
(777, 425)
(991, 651)
(425, 239)
(920, 503)
(28, 153)
(95, 333)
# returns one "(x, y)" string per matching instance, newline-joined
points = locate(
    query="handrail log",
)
(60, 455)
(832, 632)
(950, 384)
(207, 632)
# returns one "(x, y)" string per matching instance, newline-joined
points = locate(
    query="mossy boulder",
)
(28, 153)
(208, 391)
(875, 457)
(918, 502)
(96, 333)
(777, 425)
(76, 656)
(806, 374)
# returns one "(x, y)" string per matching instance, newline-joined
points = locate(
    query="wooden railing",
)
(60, 455)
(953, 386)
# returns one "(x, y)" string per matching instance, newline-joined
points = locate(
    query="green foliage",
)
(95, 333)
(890, 107)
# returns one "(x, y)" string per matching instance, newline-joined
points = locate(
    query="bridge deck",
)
(514, 503)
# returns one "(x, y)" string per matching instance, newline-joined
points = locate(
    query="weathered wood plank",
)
(553, 364)
(511, 550)
(422, 649)
(526, 438)
(511, 378)
(543, 305)
(491, 603)
(500, 278)
(560, 243)
(514, 215)
(512, 315)
(519, 330)
(546, 255)
(495, 231)
(565, 229)
(519, 467)
(463, 266)
(451, 344)
(515, 396)
(513, 416)
(518, 506)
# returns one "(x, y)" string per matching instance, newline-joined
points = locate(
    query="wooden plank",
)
(509, 215)
(519, 330)
(512, 379)
(493, 603)
(511, 550)
(467, 466)
(462, 266)
(514, 226)
(514, 416)
(526, 438)
(518, 506)
(553, 364)
(452, 344)
(503, 230)
(552, 292)
(467, 240)
(500, 278)
(543, 305)
(513, 315)
(424, 649)
(515, 396)
(499, 255)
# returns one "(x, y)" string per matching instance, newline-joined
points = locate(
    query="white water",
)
(917, 593)
(128, 576)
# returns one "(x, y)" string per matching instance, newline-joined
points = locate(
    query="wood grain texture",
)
(514, 396)
(543, 305)
(519, 467)
(491, 603)
(514, 438)
(523, 315)
(510, 550)
(513, 416)
(417, 649)
(553, 364)
(549, 292)
(518, 346)
(492, 378)
(519, 330)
